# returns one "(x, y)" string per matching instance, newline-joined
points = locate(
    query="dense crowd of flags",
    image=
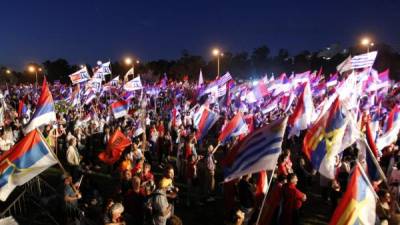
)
(331, 108)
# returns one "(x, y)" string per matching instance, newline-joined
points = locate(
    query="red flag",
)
(116, 145)
(261, 188)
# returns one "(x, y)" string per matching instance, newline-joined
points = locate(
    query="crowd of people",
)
(167, 167)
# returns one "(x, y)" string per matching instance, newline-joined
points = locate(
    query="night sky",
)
(85, 31)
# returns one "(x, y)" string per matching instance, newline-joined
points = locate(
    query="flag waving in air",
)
(44, 113)
(120, 108)
(237, 126)
(116, 145)
(324, 139)
(25, 160)
(357, 205)
(302, 114)
(203, 121)
(257, 152)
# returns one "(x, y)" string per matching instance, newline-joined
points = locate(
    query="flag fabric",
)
(116, 145)
(258, 151)
(357, 206)
(392, 129)
(235, 127)
(366, 154)
(301, 117)
(90, 96)
(24, 161)
(364, 60)
(130, 72)
(262, 184)
(333, 81)
(222, 80)
(324, 139)
(80, 76)
(201, 81)
(203, 121)
(44, 112)
(345, 65)
(133, 85)
(120, 108)
(260, 90)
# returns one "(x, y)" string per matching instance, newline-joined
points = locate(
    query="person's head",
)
(169, 172)
(174, 220)
(127, 174)
(384, 196)
(136, 183)
(72, 142)
(116, 210)
(210, 148)
(292, 178)
(147, 168)
(67, 179)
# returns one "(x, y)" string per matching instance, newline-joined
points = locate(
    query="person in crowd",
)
(192, 180)
(383, 210)
(246, 193)
(134, 202)
(210, 173)
(5, 142)
(74, 158)
(292, 201)
(126, 182)
(71, 197)
(114, 215)
(162, 210)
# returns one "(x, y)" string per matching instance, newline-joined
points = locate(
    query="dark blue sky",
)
(84, 31)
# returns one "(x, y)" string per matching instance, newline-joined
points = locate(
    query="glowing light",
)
(215, 51)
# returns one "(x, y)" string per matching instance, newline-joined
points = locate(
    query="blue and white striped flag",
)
(257, 152)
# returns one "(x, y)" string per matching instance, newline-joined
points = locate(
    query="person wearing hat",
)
(161, 209)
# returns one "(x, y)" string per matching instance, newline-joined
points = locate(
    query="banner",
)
(80, 76)
(133, 85)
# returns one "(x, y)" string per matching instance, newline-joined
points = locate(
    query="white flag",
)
(364, 60)
(345, 65)
(134, 84)
(201, 81)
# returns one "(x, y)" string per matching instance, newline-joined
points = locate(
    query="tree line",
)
(242, 65)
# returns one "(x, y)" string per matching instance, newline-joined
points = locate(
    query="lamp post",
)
(35, 70)
(216, 52)
(367, 43)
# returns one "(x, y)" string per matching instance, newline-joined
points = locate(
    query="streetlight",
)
(8, 71)
(129, 61)
(367, 42)
(216, 52)
(35, 70)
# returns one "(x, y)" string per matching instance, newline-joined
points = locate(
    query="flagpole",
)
(376, 163)
(265, 196)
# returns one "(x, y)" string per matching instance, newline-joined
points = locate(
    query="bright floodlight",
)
(137, 61)
(128, 61)
(365, 41)
(40, 69)
(8, 71)
(372, 44)
(215, 51)
(31, 69)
